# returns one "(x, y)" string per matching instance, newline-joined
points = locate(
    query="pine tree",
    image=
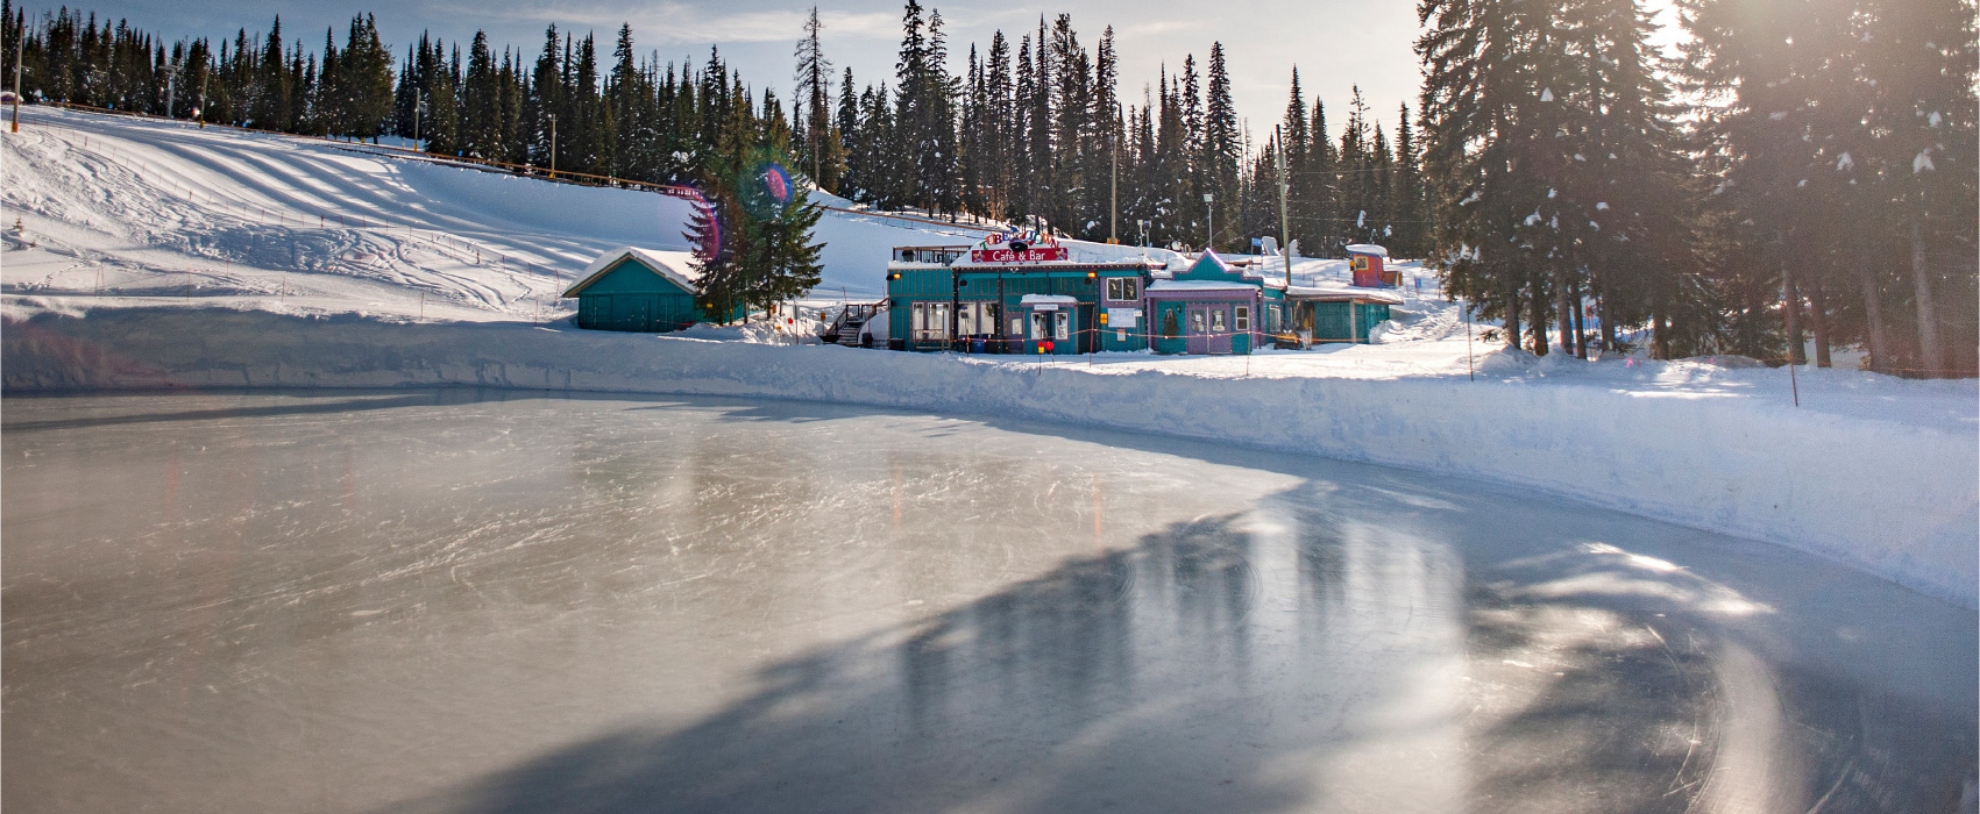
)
(818, 139)
(1221, 147)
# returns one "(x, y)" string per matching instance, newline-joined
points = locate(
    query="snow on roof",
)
(677, 267)
(1047, 299)
(1345, 292)
(1368, 248)
(1200, 285)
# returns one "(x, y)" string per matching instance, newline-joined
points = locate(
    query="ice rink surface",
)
(451, 601)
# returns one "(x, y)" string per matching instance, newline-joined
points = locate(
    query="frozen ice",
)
(449, 601)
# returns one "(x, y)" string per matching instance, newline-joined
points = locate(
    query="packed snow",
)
(147, 254)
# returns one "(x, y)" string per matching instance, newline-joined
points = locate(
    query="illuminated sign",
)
(1022, 246)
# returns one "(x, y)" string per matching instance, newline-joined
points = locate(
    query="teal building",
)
(989, 298)
(640, 290)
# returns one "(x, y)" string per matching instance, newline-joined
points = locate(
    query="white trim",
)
(676, 267)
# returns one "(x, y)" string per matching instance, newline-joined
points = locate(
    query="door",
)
(1199, 330)
(631, 312)
(1333, 322)
(1089, 336)
(1218, 338)
(1169, 328)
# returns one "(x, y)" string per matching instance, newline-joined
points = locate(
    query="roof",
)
(1344, 292)
(676, 267)
(1047, 299)
(1367, 248)
(1200, 285)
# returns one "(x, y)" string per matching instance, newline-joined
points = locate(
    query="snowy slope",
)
(334, 227)
(156, 254)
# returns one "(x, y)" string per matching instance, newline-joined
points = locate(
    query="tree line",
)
(1799, 170)
(1799, 173)
(1040, 133)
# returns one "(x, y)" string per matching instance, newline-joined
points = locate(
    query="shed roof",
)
(1367, 248)
(676, 267)
(1344, 292)
(1047, 299)
(1200, 285)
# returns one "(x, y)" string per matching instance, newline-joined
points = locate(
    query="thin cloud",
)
(678, 23)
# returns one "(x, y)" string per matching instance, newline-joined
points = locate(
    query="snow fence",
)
(1894, 499)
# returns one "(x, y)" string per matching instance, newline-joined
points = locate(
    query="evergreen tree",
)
(1221, 148)
(818, 140)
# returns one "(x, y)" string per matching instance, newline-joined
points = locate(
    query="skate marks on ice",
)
(444, 601)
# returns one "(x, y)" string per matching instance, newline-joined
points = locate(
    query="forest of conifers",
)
(1794, 174)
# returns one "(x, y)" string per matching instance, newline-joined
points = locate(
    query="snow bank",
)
(1894, 498)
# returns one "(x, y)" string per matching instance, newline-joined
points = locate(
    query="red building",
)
(1366, 260)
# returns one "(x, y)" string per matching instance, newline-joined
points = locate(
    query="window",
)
(1242, 321)
(929, 320)
(1217, 320)
(1123, 288)
(1196, 321)
(1062, 325)
(975, 318)
(1169, 327)
(1360, 262)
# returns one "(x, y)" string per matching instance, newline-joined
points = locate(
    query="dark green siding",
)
(1346, 321)
(631, 297)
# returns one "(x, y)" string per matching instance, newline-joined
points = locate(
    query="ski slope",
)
(172, 210)
(158, 254)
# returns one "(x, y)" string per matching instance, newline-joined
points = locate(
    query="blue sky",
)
(1335, 43)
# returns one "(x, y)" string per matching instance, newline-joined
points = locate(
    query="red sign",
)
(1039, 255)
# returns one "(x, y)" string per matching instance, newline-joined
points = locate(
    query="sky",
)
(1336, 44)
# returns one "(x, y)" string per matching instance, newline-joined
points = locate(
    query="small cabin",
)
(639, 290)
(1211, 308)
(1368, 263)
(1320, 314)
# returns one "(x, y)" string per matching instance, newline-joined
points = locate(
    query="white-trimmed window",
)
(1242, 322)
(1123, 289)
(930, 320)
(1217, 320)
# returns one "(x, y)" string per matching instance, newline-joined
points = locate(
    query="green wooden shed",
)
(1322, 314)
(641, 290)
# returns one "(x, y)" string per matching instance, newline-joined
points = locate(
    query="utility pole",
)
(1210, 221)
(171, 89)
(1114, 191)
(19, 41)
(1285, 230)
(553, 145)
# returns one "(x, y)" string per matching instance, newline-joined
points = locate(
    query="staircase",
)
(849, 328)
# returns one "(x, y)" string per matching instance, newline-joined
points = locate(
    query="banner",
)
(1038, 255)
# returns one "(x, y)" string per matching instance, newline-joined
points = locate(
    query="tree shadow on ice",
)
(1175, 675)
(1602, 679)
(1325, 650)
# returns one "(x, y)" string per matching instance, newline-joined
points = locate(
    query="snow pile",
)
(1896, 499)
(160, 255)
